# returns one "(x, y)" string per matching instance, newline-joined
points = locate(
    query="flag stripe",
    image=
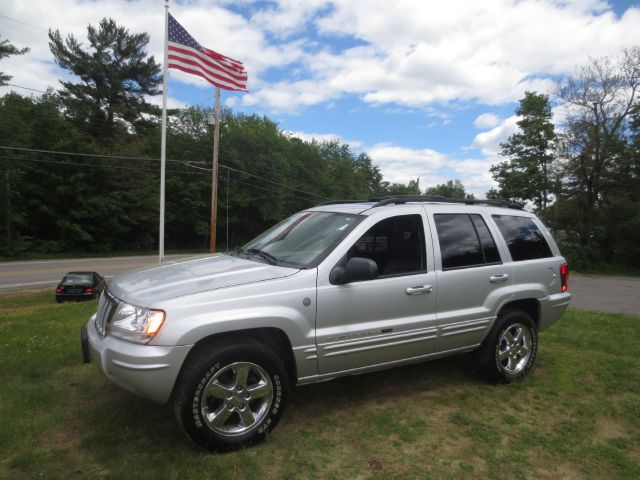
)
(186, 52)
(231, 63)
(200, 73)
(187, 55)
(238, 63)
(192, 64)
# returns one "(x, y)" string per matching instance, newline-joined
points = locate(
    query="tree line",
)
(82, 174)
(582, 178)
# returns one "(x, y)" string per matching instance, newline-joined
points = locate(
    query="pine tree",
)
(7, 49)
(115, 74)
(528, 174)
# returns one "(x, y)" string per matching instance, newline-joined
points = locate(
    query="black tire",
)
(218, 365)
(505, 358)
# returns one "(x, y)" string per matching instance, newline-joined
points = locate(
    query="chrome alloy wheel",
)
(237, 398)
(514, 348)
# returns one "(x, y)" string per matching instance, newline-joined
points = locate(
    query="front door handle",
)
(419, 290)
(503, 277)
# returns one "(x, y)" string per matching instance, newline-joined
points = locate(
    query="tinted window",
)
(489, 248)
(459, 244)
(523, 237)
(396, 244)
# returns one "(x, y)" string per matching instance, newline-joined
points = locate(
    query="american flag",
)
(189, 56)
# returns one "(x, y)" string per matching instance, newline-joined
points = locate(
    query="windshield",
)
(303, 239)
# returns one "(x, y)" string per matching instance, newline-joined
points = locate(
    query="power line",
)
(91, 155)
(275, 183)
(20, 86)
(23, 23)
(93, 165)
(260, 187)
(119, 157)
(253, 185)
(298, 176)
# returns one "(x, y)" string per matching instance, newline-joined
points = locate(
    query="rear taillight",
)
(90, 290)
(58, 290)
(564, 277)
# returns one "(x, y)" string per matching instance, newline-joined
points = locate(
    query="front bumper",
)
(552, 308)
(147, 370)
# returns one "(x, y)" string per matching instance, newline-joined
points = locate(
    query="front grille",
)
(106, 308)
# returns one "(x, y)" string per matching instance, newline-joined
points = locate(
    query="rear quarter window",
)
(523, 237)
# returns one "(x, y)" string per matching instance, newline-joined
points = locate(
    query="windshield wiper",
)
(267, 256)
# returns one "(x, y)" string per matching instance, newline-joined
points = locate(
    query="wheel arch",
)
(530, 306)
(274, 338)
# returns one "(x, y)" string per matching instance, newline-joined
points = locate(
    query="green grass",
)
(576, 416)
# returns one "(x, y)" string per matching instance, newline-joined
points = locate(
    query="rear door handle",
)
(419, 290)
(503, 277)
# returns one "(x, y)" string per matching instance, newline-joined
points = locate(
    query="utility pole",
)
(214, 186)
(7, 193)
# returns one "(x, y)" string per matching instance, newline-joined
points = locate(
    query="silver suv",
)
(340, 289)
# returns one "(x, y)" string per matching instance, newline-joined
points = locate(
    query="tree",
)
(528, 174)
(392, 189)
(450, 189)
(7, 49)
(115, 74)
(600, 98)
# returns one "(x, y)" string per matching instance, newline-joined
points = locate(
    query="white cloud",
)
(400, 164)
(421, 53)
(287, 16)
(323, 137)
(486, 120)
(489, 142)
(414, 53)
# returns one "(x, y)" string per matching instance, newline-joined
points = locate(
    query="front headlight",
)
(136, 324)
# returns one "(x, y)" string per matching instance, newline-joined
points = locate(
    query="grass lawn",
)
(576, 416)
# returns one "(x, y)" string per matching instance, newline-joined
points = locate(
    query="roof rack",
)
(400, 199)
(335, 202)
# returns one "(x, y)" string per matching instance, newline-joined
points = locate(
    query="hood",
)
(148, 285)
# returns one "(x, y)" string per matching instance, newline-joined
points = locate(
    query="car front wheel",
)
(510, 349)
(230, 395)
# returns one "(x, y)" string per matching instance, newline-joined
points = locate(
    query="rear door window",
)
(523, 237)
(465, 241)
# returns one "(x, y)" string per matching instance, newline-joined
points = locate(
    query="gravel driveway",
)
(606, 293)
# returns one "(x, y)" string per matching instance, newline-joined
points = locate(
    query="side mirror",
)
(357, 270)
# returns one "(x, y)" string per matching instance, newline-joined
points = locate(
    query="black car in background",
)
(80, 286)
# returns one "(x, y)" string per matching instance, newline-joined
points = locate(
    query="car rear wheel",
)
(509, 351)
(230, 395)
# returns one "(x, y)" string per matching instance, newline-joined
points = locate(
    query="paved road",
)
(40, 273)
(606, 293)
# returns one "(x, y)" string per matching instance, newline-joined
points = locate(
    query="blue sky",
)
(427, 88)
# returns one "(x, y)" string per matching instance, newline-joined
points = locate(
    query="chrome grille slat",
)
(106, 308)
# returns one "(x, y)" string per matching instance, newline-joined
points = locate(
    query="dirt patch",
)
(608, 428)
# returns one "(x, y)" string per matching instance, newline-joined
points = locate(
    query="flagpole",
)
(214, 187)
(163, 141)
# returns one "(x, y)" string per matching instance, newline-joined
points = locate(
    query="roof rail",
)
(400, 199)
(335, 202)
